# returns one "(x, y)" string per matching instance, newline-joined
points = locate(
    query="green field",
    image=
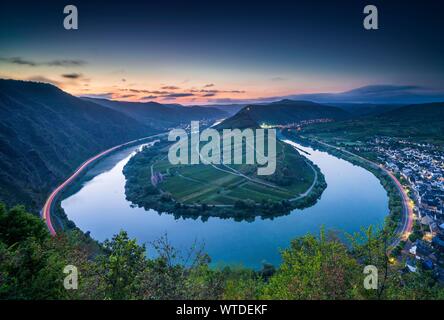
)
(218, 184)
(225, 184)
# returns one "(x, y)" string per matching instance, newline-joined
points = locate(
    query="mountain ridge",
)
(160, 115)
(45, 133)
(285, 112)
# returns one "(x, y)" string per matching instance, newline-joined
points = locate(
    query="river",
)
(354, 198)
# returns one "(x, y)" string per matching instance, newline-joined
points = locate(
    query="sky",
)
(209, 52)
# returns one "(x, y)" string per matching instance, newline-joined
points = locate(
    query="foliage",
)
(46, 133)
(314, 269)
(31, 262)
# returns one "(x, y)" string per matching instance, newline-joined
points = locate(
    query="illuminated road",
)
(405, 228)
(46, 211)
(407, 218)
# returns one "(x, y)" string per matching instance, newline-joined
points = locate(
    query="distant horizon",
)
(425, 96)
(223, 53)
(375, 94)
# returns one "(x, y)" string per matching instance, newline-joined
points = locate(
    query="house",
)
(423, 250)
(411, 265)
(438, 243)
(427, 264)
(412, 250)
(427, 220)
(156, 178)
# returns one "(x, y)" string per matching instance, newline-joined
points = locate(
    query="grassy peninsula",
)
(227, 191)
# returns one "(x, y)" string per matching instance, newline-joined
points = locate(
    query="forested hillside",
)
(45, 133)
(417, 122)
(285, 112)
(159, 115)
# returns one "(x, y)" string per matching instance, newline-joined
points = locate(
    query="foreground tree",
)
(314, 269)
(371, 247)
(31, 262)
(120, 268)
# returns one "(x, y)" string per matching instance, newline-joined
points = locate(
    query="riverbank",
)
(399, 221)
(47, 210)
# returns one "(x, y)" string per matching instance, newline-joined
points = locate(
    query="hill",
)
(241, 120)
(376, 94)
(418, 122)
(365, 109)
(230, 109)
(45, 133)
(285, 112)
(161, 116)
(433, 112)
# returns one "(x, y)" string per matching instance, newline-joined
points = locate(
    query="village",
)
(421, 168)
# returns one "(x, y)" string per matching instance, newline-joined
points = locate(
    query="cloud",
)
(106, 95)
(178, 95)
(278, 79)
(44, 79)
(161, 93)
(169, 88)
(209, 85)
(65, 63)
(51, 63)
(72, 75)
(148, 97)
(158, 92)
(378, 89)
(127, 96)
(235, 91)
(227, 100)
(216, 91)
(18, 60)
(169, 92)
(205, 91)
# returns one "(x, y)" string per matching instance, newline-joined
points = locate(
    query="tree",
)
(242, 284)
(370, 247)
(121, 267)
(314, 268)
(17, 225)
(31, 262)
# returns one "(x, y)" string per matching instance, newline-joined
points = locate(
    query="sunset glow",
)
(154, 54)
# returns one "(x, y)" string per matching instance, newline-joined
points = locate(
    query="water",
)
(353, 198)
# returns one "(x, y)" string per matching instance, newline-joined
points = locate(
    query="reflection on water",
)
(353, 198)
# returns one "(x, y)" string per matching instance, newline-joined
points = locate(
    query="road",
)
(405, 228)
(315, 180)
(46, 211)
